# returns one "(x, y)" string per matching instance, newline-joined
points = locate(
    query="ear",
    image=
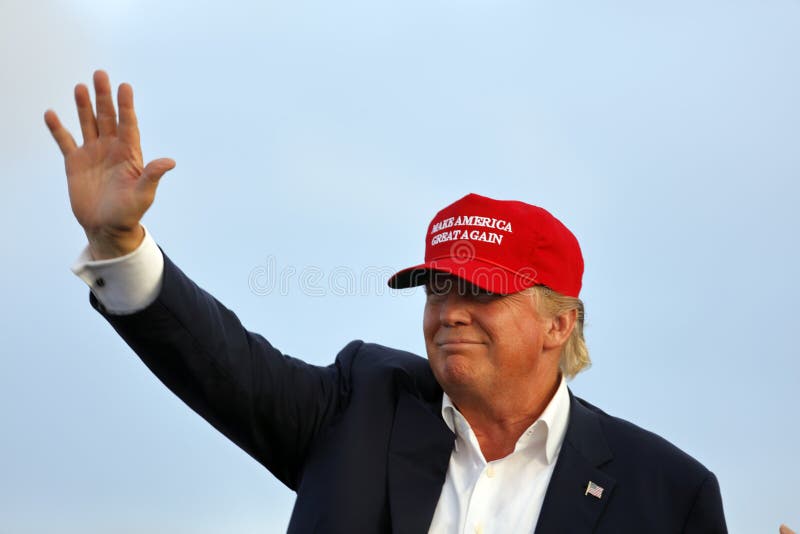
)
(559, 328)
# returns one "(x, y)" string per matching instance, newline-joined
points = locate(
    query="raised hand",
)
(110, 188)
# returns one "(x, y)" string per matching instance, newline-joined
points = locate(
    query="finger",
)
(63, 138)
(786, 530)
(85, 113)
(128, 129)
(154, 170)
(106, 114)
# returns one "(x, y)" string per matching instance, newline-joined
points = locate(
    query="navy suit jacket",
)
(363, 444)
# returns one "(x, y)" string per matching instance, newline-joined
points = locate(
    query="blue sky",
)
(319, 137)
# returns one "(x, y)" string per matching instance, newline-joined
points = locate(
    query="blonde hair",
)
(574, 354)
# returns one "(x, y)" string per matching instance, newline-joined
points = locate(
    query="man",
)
(482, 437)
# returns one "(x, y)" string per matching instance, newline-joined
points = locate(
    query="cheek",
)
(430, 322)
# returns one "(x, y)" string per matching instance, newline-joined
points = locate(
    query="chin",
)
(454, 372)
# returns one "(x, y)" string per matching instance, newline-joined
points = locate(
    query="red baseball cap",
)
(502, 246)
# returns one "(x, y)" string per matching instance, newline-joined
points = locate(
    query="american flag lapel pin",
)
(594, 489)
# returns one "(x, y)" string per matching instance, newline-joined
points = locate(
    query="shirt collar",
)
(556, 416)
(553, 422)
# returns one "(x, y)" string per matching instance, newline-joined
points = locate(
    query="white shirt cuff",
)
(126, 284)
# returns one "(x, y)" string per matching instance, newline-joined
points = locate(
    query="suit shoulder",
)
(372, 356)
(371, 362)
(644, 448)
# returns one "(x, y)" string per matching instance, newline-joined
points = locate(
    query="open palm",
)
(110, 189)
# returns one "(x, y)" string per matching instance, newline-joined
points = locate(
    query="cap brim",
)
(486, 275)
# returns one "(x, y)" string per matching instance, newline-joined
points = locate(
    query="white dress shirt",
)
(504, 496)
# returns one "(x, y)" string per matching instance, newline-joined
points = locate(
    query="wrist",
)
(109, 243)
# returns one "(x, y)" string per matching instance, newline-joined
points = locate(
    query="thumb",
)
(154, 170)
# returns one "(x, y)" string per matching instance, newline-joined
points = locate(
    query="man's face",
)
(484, 344)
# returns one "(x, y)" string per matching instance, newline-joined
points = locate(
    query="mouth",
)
(455, 343)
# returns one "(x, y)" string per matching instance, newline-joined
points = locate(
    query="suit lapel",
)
(567, 507)
(419, 454)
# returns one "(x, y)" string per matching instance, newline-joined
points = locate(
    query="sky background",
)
(321, 137)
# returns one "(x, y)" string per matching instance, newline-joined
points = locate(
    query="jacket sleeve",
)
(706, 515)
(269, 404)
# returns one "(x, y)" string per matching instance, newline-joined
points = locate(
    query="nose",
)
(454, 310)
